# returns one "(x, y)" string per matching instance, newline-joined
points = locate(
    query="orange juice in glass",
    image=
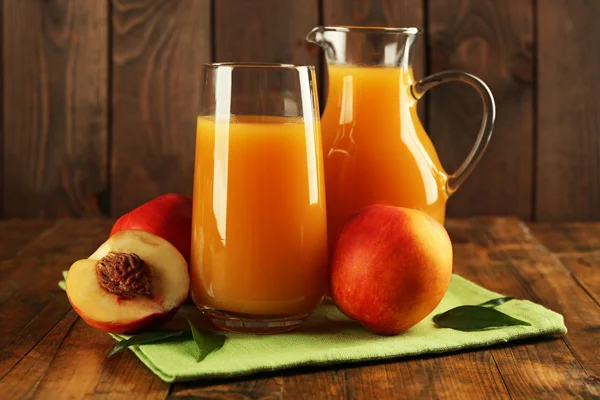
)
(259, 238)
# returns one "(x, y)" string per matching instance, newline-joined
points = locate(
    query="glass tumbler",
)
(259, 235)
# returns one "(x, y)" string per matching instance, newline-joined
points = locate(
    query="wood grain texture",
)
(264, 387)
(265, 31)
(80, 369)
(568, 238)
(577, 246)
(568, 144)
(70, 362)
(494, 40)
(54, 106)
(15, 235)
(586, 271)
(552, 285)
(1, 109)
(316, 384)
(31, 303)
(158, 49)
(544, 370)
(429, 377)
(21, 380)
(491, 253)
(27, 337)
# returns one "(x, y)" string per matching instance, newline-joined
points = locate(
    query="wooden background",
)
(99, 97)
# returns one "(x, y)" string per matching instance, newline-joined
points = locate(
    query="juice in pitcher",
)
(376, 151)
(375, 148)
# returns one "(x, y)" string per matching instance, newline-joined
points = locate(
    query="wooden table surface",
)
(48, 352)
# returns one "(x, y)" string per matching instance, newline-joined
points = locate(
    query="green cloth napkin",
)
(328, 337)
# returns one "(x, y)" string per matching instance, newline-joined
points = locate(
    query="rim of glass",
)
(411, 30)
(236, 64)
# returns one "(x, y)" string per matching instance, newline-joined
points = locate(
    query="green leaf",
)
(496, 302)
(144, 338)
(475, 318)
(63, 284)
(206, 342)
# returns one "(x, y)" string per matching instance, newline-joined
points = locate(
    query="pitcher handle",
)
(487, 123)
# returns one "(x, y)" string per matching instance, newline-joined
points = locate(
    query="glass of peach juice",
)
(259, 235)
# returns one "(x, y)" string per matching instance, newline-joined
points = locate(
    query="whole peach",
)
(168, 216)
(390, 268)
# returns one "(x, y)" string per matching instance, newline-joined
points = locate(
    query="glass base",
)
(259, 324)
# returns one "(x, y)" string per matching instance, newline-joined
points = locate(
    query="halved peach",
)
(134, 281)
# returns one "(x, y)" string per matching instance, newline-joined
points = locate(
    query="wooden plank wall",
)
(157, 48)
(99, 96)
(568, 117)
(492, 39)
(55, 111)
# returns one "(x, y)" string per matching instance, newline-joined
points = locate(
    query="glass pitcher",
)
(376, 150)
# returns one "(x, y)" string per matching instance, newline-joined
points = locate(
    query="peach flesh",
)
(118, 314)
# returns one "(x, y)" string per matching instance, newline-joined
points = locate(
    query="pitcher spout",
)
(331, 45)
(315, 35)
(356, 45)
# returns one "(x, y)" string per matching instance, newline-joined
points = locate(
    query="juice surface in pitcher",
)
(376, 150)
(271, 260)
